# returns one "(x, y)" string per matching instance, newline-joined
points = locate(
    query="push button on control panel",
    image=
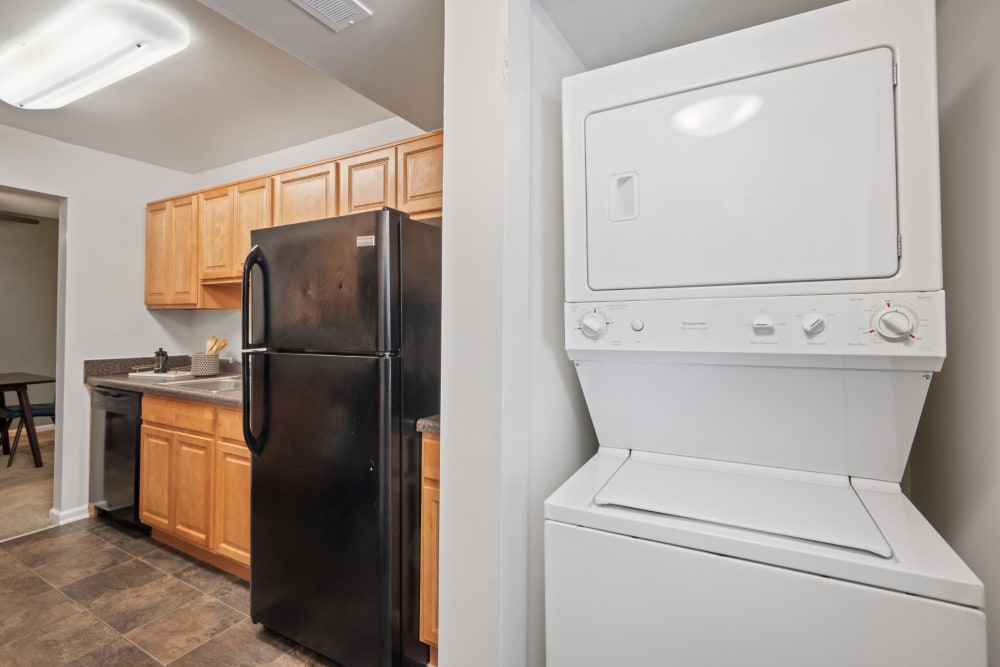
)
(762, 325)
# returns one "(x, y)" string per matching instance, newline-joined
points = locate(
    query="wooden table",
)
(19, 382)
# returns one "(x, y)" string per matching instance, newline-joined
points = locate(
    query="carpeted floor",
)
(26, 491)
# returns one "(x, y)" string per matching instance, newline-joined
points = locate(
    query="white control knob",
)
(813, 323)
(594, 324)
(893, 324)
(762, 325)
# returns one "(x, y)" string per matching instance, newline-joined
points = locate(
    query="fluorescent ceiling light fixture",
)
(716, 115)
(91, 45)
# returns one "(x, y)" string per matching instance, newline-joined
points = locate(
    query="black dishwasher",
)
(114, 454)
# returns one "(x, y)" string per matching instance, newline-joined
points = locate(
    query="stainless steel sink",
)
(210, 385)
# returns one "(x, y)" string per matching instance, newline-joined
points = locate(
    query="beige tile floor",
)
(88, 593)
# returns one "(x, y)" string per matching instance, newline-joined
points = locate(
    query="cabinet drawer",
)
(185, 415)
(431, 463)
(230, 425)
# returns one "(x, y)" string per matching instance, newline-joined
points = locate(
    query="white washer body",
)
(754, 311)
(635, 588)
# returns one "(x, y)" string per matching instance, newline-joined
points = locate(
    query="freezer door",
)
(324, 537)
(326, 285)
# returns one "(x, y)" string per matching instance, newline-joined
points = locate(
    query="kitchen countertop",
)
(430, 425)
(113, 373)
(158, 387)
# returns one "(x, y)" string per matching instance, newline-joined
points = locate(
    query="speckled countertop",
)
(113, 373)
(430, 424)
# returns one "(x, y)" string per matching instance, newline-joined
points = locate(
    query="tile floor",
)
(88, 593)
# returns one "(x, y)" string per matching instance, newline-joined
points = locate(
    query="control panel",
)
(903, 324)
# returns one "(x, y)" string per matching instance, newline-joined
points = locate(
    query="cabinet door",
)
(158, 251)
(192, 487)
(430, 513)
(232, 500)
(252, 211)
(367, 181)
(155, 477)
(172, 253)
(305, 194)
(420, 171)
(215, 208)
(183, 220)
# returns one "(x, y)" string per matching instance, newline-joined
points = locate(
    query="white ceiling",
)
(233, 94)
(603, 33)
(396, 57)
(229, 96)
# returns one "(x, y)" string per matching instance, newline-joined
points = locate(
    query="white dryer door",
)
(818, 507)
(786, 176)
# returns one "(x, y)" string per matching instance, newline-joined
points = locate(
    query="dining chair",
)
(7, 417)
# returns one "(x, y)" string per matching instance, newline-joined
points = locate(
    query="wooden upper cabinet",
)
(228, 215)
(195, 245)
(367, 181)
(171, 253)
(305, 194)
(215, 208)
(418, 186)
(158, 239)
(253, 211)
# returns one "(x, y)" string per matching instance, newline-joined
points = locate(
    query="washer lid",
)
(811, 506)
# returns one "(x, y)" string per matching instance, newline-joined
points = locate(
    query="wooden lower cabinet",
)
(194, 481)
(430, 513)
(192, 487)
(232, 490)
(155, 483)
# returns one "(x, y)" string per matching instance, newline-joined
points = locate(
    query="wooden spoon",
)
(212, 340)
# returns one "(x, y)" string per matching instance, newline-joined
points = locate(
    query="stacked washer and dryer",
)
(755, 310)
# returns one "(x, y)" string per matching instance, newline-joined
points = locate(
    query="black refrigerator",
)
(341, 338)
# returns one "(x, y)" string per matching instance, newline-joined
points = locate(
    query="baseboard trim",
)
(61, 517)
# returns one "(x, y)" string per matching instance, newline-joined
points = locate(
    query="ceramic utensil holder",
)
(204, 364)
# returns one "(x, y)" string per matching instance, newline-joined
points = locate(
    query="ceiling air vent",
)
(335, 14)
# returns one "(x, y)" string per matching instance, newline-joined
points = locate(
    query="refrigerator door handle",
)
(254, 258)
(256, 400)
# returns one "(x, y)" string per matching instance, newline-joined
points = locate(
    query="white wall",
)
(29, 261)
(514, 425)
(474, 419)
(561, 436)
(102, 265)
(101, 260)
(226, 323)
(955, 465)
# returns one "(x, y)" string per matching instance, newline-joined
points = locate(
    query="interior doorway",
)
(29, 268)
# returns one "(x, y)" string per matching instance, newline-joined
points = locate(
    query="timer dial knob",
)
(594, 324)
(813, 323)
(894, 324)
